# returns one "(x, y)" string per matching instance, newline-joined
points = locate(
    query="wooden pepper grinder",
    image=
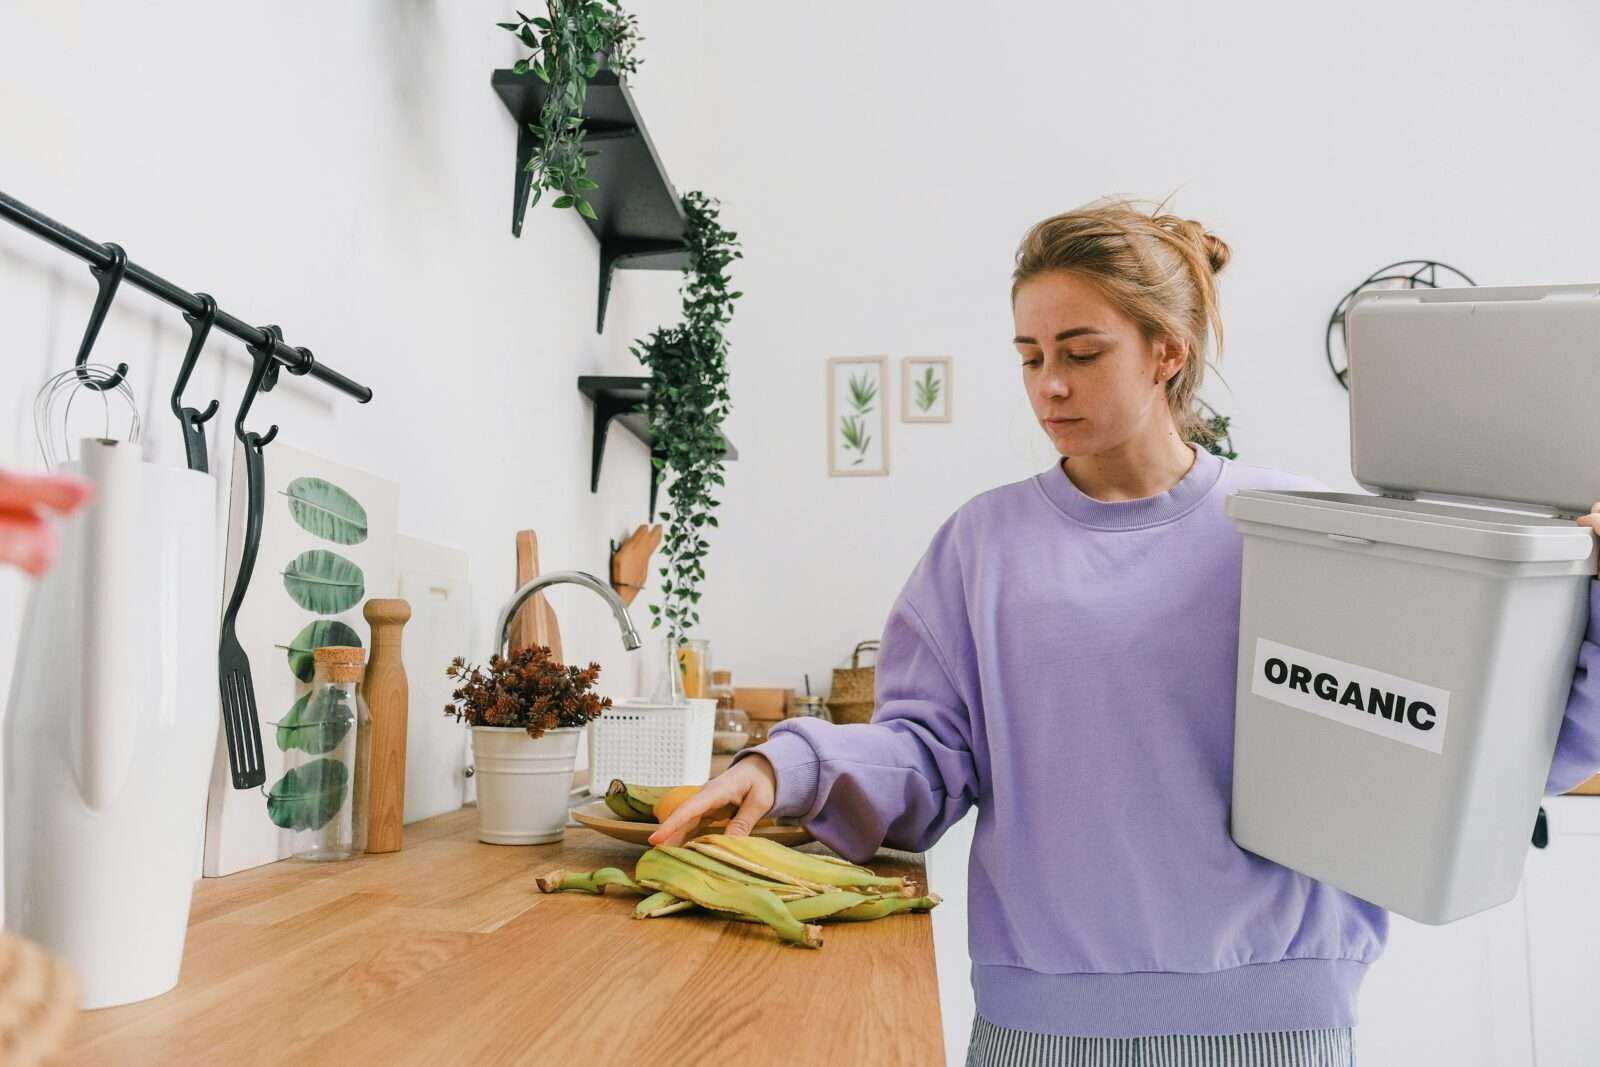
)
(385, 689)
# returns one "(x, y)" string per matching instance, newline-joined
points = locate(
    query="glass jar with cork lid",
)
(731, 731)
(326, 739)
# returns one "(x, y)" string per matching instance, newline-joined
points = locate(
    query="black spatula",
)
(240, 721)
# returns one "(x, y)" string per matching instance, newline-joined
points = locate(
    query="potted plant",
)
(526, 713)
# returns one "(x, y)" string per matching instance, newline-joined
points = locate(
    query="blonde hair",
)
(1157, 269)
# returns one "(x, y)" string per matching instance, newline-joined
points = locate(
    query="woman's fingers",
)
(26, 540)
(58, 492)
(749, 813)
(683, 821)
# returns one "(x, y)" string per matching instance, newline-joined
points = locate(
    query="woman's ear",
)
(1169, 359)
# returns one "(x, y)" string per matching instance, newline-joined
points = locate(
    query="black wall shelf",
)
(622, 399)
(641, 224)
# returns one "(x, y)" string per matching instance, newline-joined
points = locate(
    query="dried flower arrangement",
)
(527, 689)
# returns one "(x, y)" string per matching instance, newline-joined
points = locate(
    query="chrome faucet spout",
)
(502, 625)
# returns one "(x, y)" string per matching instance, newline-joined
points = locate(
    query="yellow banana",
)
(659, 870)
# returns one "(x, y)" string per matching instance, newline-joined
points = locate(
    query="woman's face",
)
(1092, 378)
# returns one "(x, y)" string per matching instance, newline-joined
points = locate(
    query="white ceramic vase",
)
(523, 784)
(111, 728)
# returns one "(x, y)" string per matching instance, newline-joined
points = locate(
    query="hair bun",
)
(1217, 251)
(1214, 248)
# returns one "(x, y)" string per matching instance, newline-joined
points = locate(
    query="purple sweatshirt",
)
(1068, 665)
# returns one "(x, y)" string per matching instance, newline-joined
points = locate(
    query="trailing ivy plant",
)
(565, 47)
(1216, 430)
(688, 403)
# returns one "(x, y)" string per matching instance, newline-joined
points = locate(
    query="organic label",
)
(1383, 704)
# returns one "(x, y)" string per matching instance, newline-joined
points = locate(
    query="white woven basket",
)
(652, 744)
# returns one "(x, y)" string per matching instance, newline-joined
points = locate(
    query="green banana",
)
(657, 904)
(586, 881)
(767, 858)
(636, 803)
(853, 907)
(878, 908)
(781, 890)
(660, 870)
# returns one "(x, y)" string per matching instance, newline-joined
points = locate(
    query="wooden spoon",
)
(535, 622)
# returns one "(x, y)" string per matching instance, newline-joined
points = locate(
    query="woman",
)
(1064, 656)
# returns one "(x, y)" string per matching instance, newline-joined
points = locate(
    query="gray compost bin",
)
(1404, 664)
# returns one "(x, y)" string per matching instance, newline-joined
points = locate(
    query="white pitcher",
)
(111, 727)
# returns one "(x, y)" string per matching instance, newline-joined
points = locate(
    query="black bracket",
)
(528, 143)
(108, 277)
(616, 253)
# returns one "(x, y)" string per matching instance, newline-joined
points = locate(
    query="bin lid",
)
(1485, 393)
(1455, 528)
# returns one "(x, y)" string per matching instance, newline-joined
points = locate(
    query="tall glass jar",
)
(694, 658)
(326, 741)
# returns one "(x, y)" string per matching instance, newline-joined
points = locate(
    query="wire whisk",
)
(59, 392)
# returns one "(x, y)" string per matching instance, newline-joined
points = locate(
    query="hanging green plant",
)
(568, 49)
(688, 402)
(1216, 431)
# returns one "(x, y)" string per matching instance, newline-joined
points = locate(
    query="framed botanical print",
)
(858, 415)
(925, 383)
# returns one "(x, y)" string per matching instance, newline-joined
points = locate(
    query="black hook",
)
(194, 441)
(199, 328)
(109, 278)
(263, 376)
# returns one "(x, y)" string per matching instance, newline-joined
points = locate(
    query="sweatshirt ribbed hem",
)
(794, 765)
(1291, 994)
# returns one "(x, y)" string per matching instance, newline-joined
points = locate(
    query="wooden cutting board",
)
(535, 622)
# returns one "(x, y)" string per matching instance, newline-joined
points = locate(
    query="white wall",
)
(343, 169)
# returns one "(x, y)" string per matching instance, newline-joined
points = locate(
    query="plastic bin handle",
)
(1349, 539)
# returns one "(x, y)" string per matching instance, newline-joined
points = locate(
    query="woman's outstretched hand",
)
(27, 539)
(750, 785)
(1592, 520)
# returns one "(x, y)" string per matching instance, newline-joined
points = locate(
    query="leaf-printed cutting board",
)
(327, 544)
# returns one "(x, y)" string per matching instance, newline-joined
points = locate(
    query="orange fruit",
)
(673, 799)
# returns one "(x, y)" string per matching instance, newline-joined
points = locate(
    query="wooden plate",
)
(596, 816)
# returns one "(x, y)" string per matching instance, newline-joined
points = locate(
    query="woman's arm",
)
(1578, 745)
(902, 779)
(1577, 754)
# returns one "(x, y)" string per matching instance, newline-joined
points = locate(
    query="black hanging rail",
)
(294, 360)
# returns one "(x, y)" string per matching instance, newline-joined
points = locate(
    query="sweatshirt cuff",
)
(794, 764)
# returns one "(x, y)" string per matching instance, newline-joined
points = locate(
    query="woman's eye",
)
(1085, 359)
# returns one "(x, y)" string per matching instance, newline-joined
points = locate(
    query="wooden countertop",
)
(446, 952)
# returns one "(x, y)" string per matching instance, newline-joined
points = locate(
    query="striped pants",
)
(998, 1046)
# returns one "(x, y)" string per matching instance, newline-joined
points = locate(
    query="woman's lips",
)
(1061, 422)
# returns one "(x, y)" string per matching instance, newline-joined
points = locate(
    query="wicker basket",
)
(850, 698)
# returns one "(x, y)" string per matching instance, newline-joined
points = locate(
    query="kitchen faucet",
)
(502, 625)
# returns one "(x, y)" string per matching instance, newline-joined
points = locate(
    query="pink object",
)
(27, 539)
